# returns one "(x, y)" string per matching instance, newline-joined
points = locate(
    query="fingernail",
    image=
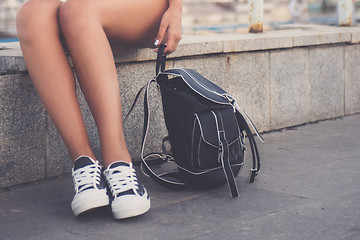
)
(156, 42)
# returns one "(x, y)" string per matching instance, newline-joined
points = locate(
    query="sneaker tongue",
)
(82, 162)
(118, 164)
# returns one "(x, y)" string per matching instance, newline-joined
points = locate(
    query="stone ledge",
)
(292, 36)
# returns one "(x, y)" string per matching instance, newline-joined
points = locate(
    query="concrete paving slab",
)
(307, 189)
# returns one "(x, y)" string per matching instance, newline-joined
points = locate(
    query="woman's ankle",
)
(107, 161)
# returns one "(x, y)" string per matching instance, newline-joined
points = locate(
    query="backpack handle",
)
(160, 60)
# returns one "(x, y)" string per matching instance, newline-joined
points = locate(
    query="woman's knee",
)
(36, 17)
(76, 15)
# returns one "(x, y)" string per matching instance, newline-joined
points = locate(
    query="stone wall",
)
(281, 79)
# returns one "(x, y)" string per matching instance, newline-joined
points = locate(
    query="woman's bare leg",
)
(87, 25)
(38, 31)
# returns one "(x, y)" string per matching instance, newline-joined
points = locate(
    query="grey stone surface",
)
(289, 87)
(12, 64)
(352, 79)
(261, 41)
(249, 75)
(21, 111)
(355, 37)
(319, 37)
(198, 46)
(307, 189)
(145, 54)
(302, 38)
(11, 59)
(22, 131)
(22, 159)
(326, 82)
(125, 57)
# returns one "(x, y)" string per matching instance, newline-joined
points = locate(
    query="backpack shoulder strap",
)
(254, 150)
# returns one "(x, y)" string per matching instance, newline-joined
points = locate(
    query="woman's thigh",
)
(127, 23)
(133, 22)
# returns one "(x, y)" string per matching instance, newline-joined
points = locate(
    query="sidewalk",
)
(308, 188)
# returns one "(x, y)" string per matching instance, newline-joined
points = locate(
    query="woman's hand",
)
(170, 27)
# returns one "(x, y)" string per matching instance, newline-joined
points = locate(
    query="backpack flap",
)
(199, 84)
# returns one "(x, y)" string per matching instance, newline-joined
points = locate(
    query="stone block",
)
(145, 54)
(22, 113)
(191, 46)
(22, 159)
(22, 131)
(309, 38)
(355, 37)
(326, 76)
(11, 59)
(354, 31)
(211, 67)
(352, 79)
(289, 87)
(12, 64)
(247, 79)
(261, 41)
(10, 49)
(305, 39)
(338, 37)
(128, 56)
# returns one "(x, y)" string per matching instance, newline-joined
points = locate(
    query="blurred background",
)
(220, 16)
(203, 16)
(8, 10)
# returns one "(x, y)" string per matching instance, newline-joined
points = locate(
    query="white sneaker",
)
(90, 186)
(129, 197)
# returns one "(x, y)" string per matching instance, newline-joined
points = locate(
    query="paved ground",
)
(308, 189)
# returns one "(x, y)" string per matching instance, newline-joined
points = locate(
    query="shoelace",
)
(87, 177)
(121, 179)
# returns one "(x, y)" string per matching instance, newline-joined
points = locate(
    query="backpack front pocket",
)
(206, 148)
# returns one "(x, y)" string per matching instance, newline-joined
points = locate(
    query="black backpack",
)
(206, 131)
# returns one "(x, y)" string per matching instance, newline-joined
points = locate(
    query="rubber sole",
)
(128, 213)
(89, 201)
